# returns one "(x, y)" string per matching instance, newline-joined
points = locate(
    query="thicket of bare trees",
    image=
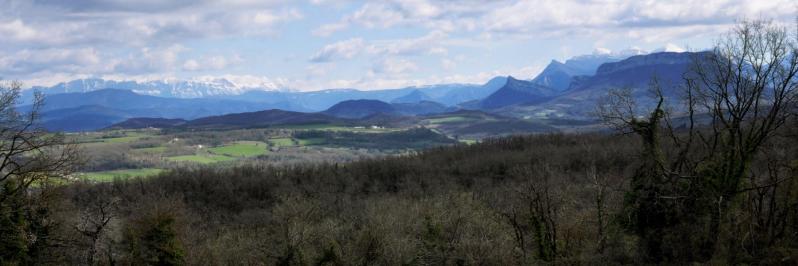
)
(30, 158)
(694, 190)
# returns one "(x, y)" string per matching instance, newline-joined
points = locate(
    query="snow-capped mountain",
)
(195, 88)
(670, 48)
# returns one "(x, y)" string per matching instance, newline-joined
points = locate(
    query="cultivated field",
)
(146, 152)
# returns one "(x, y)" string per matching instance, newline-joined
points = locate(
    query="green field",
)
(125, 139)
(160, 149)
(312, 141)
(106, 176)
(451, 119)
(157, 149)
(282, 142)
(313, 127)
(337, 128)
(200, 158)
(241, 149)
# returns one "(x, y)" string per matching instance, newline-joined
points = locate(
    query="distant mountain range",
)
(563, 92)
(101, 108)
(162, 88)
(360, 108)
(415, 96)
(517, 91)
(461, 123)
(221, 89)
(558, 75)
(636, 73)
(356, 109)
(260, 119)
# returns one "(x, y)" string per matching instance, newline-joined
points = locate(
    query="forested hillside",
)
(517, 200)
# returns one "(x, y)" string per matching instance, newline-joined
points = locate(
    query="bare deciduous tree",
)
(736, 97)
(28, 153)
(29, 157)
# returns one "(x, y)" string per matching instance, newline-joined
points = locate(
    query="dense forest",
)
(714, 181)
(518, 200)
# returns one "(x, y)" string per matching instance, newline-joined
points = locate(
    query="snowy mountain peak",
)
(604, 54)
(671, 48)
(195, 88)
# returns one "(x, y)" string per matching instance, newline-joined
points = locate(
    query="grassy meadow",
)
(146, 152)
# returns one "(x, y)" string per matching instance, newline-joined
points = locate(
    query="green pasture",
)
(204, 159)
(241, 149)
(105, 176)
(450, 119)
(282, 142)
(159, 149)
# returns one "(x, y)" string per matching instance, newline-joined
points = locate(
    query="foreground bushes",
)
(548, 199)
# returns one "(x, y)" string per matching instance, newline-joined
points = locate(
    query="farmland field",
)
(281, 142)
(129, 153)
(451, 119)
(105, 176)
(204, 159)
(241, 149)
(311, 141)
(159, 149)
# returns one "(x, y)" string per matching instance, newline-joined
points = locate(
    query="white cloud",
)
(391, 81)
(50, 60)
(149, 60)
(47, 39)
(393, 66)
(428, 44)
(339, 50)
(139, 22)
(440, 15)
(318, 70)
(43, 64)
(17, 30)
(211, 63)
(328, 29)
(448, 64)
(542, 18)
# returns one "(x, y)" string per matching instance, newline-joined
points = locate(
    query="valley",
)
(127, 134)
(127, 153)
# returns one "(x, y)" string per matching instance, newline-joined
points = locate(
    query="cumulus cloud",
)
(547, 18)
(211, 63)
(427, 44)
(383, 80)
(339, 50)
(17, 30)
(329, 29)
(137, 22)
(37, 64)
(439, 15)
(50, 60)
(149, 60)
(431, 43)
(48, 39)
(92, 37)
(393, 66)
(448, 64)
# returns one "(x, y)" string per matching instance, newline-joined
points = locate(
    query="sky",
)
(325, 44)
